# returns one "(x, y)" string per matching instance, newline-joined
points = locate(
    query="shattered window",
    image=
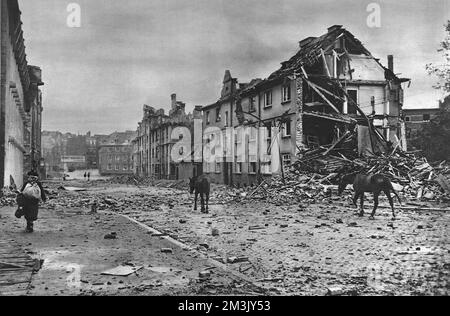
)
(287, 129)
(286, 160)
(252, 104)
(252, 167)
(218, 117)
(265, 168)
(238, 167)
(286, 93)
(268, 98)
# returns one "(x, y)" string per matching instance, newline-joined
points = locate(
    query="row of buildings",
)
(110, 154)
(154, 143)
(330, 87)
(417, 119)
(20, 101)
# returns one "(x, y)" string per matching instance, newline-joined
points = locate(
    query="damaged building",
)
(154, 142)
(331, 93)
(20, 101)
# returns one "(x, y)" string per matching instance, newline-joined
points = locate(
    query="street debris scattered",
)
(122, 270)
(112, 235)
(166, 250)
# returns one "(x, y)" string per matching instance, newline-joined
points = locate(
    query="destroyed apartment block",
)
(153, 144)
(332, 96)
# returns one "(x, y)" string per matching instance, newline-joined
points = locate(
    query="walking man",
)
(28, 200)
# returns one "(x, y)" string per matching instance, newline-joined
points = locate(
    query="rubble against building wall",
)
(314, 177)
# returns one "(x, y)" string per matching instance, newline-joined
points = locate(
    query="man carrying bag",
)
(28, 200)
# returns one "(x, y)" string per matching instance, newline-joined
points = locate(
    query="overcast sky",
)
(135, 52)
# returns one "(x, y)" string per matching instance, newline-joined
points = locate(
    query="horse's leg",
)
(355, 199)
(375, 203)
(195, 200)
(202, 199)
(207, 202)
(361, 213)
(391, 201)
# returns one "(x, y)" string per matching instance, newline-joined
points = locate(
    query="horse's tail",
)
(396, 194)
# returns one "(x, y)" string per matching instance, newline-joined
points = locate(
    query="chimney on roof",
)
(334, 27)
(174, 101)
(306, 41)
(198, 111)
(391, 62)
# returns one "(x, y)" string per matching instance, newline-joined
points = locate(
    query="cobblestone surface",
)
(306, 249)
(297, 249)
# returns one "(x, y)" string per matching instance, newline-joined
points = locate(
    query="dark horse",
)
(369, 183)
(200, 185)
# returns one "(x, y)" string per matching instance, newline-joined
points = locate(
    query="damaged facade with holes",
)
(153, 144)
(331, 93)
(20, 101)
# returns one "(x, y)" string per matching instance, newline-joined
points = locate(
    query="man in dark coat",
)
(28, 206)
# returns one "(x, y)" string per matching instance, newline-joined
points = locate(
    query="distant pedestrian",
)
(28, 200)
(89, 176)
(85, 175)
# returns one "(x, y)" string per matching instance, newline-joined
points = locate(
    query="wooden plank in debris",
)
(336, 143)
(322, 96)
(325, 64)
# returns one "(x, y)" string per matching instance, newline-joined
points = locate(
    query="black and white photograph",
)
(224, 153)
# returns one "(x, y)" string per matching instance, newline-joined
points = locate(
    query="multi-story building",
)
(116, 159)
(91, 152)
(33, 130)
(154, 142)
(20, 100)
(330, 86)
(417, 119)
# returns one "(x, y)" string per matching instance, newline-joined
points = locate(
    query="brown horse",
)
(200, 185)
(369, 183)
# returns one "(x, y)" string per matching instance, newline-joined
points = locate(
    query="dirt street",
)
(315, 249)
(75, 253)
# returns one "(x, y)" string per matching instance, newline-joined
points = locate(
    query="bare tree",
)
(442, 71)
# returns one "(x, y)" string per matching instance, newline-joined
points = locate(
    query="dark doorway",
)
(226, 179)
(353, 96)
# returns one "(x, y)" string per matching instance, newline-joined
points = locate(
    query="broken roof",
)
(311, 49)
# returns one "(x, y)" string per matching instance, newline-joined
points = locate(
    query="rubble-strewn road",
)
(292, 250)
(299, 250)
(72, 246)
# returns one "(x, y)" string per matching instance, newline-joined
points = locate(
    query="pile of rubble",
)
(128, 179)
(7, 197)
(146, 181)
(314, 176)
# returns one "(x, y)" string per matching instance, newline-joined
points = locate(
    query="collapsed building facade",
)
(20, 101)
(154, 143)
(331, 93)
